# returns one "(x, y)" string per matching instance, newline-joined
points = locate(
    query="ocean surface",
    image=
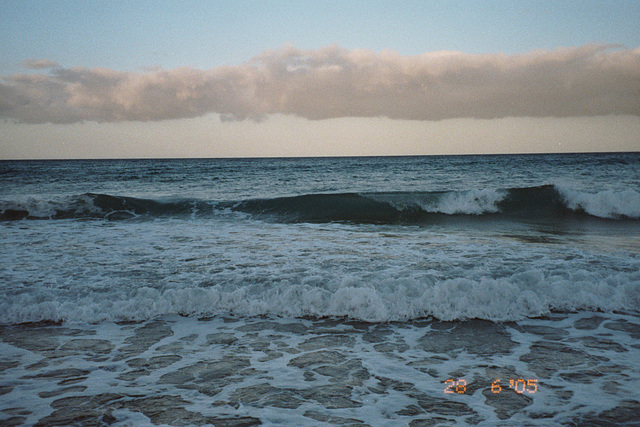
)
(448, 290)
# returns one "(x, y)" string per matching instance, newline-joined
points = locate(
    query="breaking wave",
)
(528, 294)
(530, 203)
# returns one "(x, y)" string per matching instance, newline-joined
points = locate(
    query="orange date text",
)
(519, 385)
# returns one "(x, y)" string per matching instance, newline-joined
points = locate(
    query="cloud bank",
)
(334, 82)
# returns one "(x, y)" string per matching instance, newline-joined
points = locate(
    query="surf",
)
(544, 202)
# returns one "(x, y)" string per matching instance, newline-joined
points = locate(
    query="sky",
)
(120, 79)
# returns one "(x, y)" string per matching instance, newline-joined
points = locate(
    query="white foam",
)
(473, 202)
(96, 271)
(470, 202)
(604, 204)
(528, 294)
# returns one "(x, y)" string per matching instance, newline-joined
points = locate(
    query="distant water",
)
(378, 265)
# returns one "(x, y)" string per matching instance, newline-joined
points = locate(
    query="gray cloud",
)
(39, 64)
(334, 82)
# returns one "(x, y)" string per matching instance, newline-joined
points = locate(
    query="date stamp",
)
(519, 385)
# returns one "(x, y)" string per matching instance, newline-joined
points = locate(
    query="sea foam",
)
(604, 204)
(523, 295)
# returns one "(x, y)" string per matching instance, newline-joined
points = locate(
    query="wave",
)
(542, 202)
(100, 206)
(530, 203)
(528, 294)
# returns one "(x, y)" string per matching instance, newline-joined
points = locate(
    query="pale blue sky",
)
(127, 35)
(106, 97)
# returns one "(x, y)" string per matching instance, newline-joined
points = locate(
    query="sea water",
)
(354, 291)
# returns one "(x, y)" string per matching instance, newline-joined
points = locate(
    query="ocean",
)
(381, 291)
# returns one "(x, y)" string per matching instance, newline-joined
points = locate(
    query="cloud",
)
(335, 82)
(39, 64)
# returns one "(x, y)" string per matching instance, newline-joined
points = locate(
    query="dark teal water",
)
(433, 260)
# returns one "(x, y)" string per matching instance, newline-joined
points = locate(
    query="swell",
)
(545, 202)
(100, 206)
(542, 202)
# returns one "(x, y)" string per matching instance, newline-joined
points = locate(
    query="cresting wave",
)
(546, 202)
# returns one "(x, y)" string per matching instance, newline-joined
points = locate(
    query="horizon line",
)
(346, 156)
